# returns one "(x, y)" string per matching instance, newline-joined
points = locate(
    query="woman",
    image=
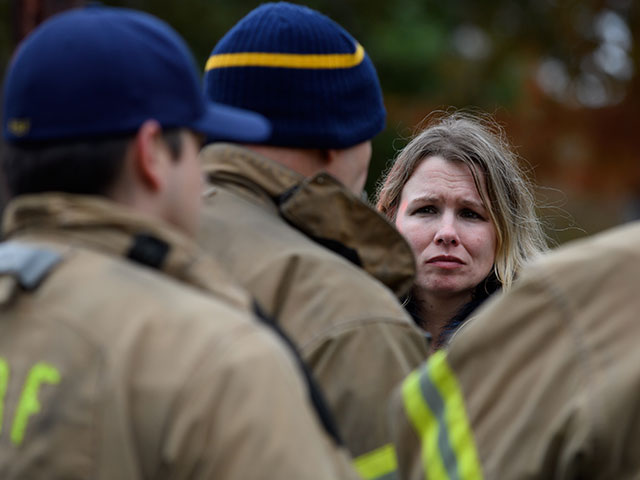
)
(458, 196)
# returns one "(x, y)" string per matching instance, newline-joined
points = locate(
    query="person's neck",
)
(435, 311)
(305, 161)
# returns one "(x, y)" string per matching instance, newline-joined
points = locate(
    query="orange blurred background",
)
(560, 76)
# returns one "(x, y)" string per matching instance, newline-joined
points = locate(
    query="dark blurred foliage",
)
(560, 75)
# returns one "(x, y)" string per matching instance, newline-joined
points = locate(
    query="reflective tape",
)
(434, 404)
(379, 464)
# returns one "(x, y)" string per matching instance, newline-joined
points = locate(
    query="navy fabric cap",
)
(99, 71)
(302, 71)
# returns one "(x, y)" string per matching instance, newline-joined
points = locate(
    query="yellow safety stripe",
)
(456, 418)
(425, 424)
(286, 60)
(435, 406)
(377, 464)
(4, 381)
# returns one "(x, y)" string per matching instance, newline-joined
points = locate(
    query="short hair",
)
(84, 166)
(479, 143)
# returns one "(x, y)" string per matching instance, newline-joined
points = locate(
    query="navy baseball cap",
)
(99, 71)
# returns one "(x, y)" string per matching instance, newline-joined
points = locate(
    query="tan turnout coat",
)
(544, 383)
(110, 369)
(270, 228)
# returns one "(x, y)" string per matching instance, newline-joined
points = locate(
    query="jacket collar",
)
(105, 226)
(322, 208)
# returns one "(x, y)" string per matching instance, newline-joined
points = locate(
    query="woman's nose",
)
(447, 233)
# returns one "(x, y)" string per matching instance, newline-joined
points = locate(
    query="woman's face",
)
(448, 227)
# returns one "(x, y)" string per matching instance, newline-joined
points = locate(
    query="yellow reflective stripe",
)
(435, 407)
(4, 381)
(377, 463)
(286, 60)
(457, 423)
(425, 424)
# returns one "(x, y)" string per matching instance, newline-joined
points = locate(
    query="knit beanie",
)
(302, 71)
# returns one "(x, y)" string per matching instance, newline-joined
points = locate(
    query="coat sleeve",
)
(244, 414)
(507, 399)
(358, 366)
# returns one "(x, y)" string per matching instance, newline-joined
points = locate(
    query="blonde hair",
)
(479, 143)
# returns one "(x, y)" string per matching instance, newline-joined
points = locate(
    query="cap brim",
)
(225, 123)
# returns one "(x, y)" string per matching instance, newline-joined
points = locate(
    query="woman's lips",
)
(446, 261)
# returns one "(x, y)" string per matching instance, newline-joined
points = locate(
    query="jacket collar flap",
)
(105, 226)
(235, 164)
(323, 209)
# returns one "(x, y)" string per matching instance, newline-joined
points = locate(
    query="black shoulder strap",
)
(315, 394)
(29, 264)
(148, 250)
(152, 252)
(339, 248)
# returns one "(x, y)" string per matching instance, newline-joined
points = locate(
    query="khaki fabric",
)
(268, 225)
(549, 373)
(142, 373)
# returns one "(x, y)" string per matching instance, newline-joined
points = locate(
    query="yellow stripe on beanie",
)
(287, 60)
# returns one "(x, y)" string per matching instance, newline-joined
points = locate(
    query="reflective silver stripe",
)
(437, 407)
(28, 264)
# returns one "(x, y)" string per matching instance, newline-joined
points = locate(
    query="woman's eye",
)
(471, 214)
(426, 209)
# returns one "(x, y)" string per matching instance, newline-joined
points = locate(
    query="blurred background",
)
(560, 76)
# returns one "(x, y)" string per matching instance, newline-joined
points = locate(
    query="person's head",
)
(456, 190)
(107, 101)
(310, 78)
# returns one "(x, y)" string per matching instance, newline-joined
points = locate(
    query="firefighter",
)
(126, 353)
(285, 214)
